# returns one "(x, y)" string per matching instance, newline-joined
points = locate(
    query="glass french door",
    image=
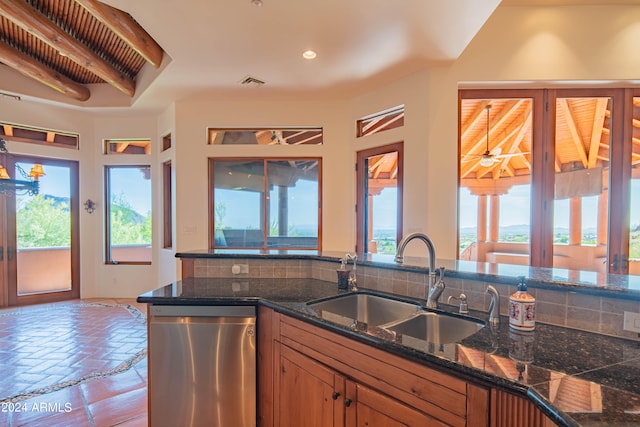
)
(39, 250)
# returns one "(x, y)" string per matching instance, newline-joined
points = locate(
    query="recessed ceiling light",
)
(257, 3)
(309, 54)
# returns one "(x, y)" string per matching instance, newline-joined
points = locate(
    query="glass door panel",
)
(239, 203)
(382, 200)
(293, 216)
(634, 217)
(43, 233)
(495, 180)
(582, 141)
(40, 242)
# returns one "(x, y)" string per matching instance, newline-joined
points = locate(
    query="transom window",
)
(265, 136)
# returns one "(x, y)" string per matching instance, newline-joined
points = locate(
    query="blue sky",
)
(303, 206)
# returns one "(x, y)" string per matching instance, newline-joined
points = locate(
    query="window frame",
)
(265, 160)
(167, 205)
(388, 119)
(108, 259)
(361, 220)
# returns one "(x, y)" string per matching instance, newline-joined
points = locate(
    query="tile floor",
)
(64, 366)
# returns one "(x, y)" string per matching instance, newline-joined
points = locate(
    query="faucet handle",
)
(462, 299)
(494, 305)
(441, 271)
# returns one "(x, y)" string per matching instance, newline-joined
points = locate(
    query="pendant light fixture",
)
(28, 185)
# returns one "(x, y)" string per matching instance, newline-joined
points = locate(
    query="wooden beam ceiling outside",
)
(581, 139)
(66, 44)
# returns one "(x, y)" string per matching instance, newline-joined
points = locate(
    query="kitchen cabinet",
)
(309, 393)
(373, 387)
(314, 377)
(312, 394)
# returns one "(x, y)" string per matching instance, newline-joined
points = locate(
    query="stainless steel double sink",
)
(401, 318)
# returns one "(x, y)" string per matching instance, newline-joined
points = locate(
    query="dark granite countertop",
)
(577, 378)
(588, 282)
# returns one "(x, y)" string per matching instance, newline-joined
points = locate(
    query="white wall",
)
(564, 45)
(123, 280)
(167, 265)
(193, 116)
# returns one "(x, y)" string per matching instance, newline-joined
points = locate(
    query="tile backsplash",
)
(562, 307)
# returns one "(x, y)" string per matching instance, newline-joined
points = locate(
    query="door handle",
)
(347, 402)
(9, 253)
(1, 253)
(335, 395)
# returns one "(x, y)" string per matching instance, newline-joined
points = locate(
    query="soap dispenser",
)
(522, 309)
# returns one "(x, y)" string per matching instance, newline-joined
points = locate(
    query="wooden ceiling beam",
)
(35, 23)
(311, 138)
(126, 28)
(32, 68)
(573, 130)
(477, 114)
(596, 133)
(480, 144)
(121, 147)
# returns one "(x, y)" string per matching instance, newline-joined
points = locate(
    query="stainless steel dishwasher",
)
(202, 366)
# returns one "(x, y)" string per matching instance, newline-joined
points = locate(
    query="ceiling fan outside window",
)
(489, 157)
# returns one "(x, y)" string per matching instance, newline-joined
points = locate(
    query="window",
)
(581, 202)
(272, 136)
(634, 161)
(576, 151)
(53, 138)
(166, 142)
(167, 206)
(265, 203)
(128, 196)
(495, 179)
(379, 206)
(378, 122)
(127, 146)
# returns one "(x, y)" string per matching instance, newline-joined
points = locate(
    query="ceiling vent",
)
(251, 81)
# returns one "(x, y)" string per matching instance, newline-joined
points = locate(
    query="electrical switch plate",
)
(240, 269)
(631, 321)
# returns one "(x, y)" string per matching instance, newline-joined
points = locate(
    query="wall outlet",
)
(631, 321)
(240, 269)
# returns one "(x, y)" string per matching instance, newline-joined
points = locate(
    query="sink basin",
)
(371, 309)
(437, 328)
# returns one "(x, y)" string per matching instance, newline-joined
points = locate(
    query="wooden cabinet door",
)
(308, 393)
(370, 408)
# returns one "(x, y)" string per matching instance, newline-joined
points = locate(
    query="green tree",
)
(128, 227)
(42, 222)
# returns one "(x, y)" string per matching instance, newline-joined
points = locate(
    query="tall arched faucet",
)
(435, 286)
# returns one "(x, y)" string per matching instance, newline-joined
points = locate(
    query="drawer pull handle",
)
(335, 395)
